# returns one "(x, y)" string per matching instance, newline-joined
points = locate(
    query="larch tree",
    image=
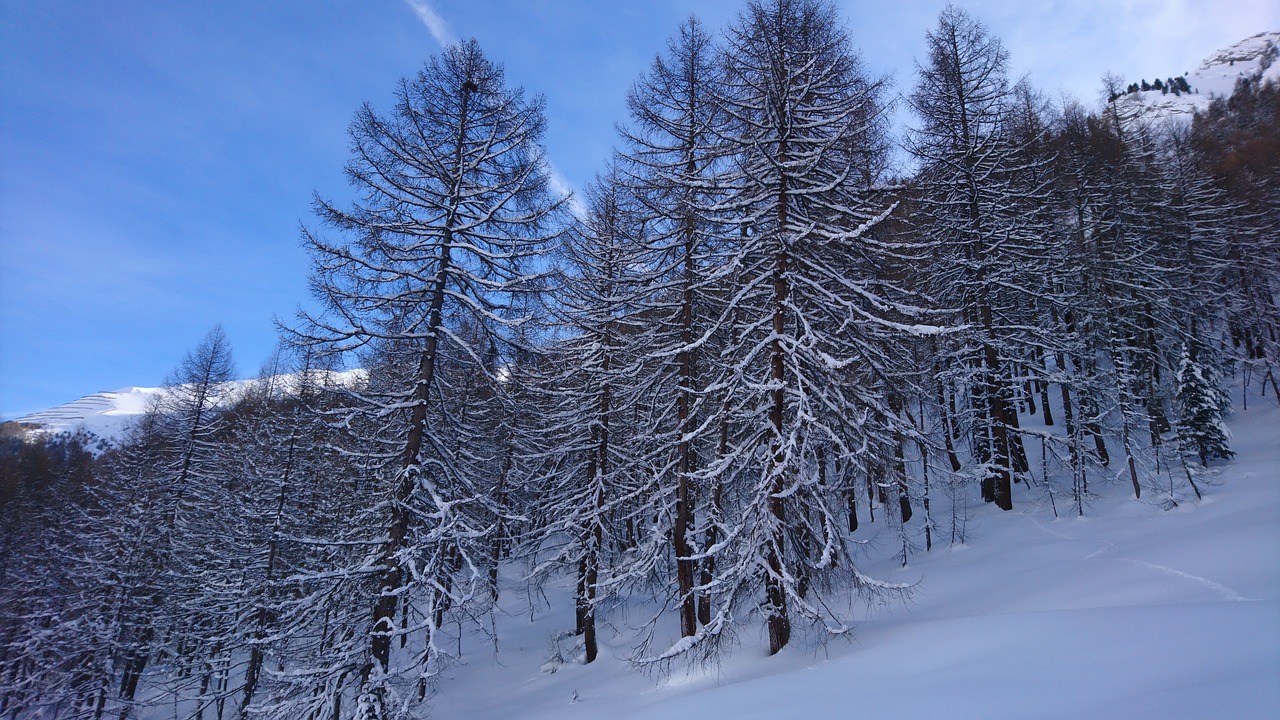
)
(589, 476)
(1129, 283)
(1234, 144)
(191, 417)
(453, 213)
(279, 466)
(809, 319)
(672, 156)
(52, 660)
(143, 549)
(980, 200)
(1079, 316)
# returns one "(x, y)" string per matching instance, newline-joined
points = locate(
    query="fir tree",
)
(1200, 426)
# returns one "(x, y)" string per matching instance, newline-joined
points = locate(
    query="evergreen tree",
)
(1200, 427)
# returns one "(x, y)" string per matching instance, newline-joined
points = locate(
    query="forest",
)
(750, 339)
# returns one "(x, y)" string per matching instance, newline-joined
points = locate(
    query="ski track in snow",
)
(1226, 592)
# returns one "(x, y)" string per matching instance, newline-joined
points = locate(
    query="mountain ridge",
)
(108, 413)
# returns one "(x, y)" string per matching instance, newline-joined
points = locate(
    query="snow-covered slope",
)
(1252, 58)
(107, 413)
(1131, 611)
(1258, 56)
(104, 414)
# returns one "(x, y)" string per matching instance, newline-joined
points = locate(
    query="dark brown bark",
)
(598, 469)
(590, 581)
(500, 532)
(392, 575)
(684, 460)
(997, 419)
(900, 464)
(580, 598)
(776, 612)
(852, 496)
(947, 409)
(1044, 392)
(709, 563)
(134, 664)
(924, 474)
(871, 489)
(712, 535)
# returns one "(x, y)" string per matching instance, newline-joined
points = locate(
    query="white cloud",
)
(435, 24)
(560, 186)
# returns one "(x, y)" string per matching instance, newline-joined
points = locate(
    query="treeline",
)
(1175, 85)
(745, 341)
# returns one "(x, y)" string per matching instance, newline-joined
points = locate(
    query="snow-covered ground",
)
(1132, 611)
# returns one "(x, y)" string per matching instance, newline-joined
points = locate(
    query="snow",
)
(104, 414)
(1131, 611)
(1216, 77)
(108, 413)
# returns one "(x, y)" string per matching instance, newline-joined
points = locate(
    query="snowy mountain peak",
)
(1254, 58)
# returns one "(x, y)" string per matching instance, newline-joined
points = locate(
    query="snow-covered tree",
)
(981, 199)
(1232, 143)
(589, 477)
(1201, 410)
(140, 553)
(453, 212)
(810, 315)
(190, 417)
(50, 661)
(671, 157)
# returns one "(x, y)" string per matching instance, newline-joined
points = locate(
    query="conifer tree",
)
(453, 209)
(1201, 410)
(1232, 145)
(591, 478)
(981, 200)
(672, 156)
(810, 315)
(51, 663)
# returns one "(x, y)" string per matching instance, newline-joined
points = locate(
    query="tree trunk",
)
(775, 598)
(684, 461)
(392, 575)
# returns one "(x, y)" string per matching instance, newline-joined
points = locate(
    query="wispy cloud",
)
(560, 186)
(435, 24)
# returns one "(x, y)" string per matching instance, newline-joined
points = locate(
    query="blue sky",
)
(158, 158)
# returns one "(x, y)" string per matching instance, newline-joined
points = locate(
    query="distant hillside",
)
(107, 413)
(1252, 58)
(103, 413)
